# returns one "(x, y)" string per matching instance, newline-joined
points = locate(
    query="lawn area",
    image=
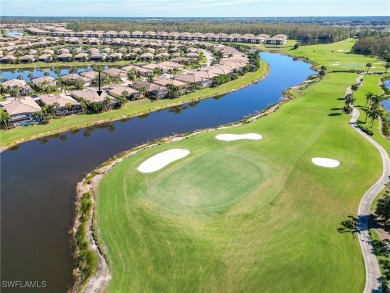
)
(20, 134)
(245, 216)
(370, 84)
(335, 56)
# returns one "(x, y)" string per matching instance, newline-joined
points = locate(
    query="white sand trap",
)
(335, 64)
(230, 137)
(162, 159)
(325, 162)
(340, 50)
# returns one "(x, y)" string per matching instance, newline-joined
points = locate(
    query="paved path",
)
(373, 274)
(208, 56)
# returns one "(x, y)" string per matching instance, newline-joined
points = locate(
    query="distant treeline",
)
(302, 32)
(378, 45)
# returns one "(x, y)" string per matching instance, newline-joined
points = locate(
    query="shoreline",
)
(125, 116)
(91, 182)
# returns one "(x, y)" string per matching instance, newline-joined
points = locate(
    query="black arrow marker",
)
(99, 92)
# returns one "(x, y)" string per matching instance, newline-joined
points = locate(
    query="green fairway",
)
(244, 216)
(337, 56)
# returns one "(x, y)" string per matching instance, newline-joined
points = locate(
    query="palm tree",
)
(374, 114)
(57, 71)
(5, 118)
(349, 99)
(142, 90)
(368, 98)
(375, 100)
(149, 77)
(387, 66)
(14, 92)
(354, 88)
(30, 76)
(46, 73)
(368, 65)
(321, 73)
(323, 67)
(72, 70)
(20, 77)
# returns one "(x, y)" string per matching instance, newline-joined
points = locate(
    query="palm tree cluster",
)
(95, 107)
(372, 107)
(4, 119)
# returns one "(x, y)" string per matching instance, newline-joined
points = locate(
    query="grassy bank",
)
(237, 215)
(134, 108)
(337, 56)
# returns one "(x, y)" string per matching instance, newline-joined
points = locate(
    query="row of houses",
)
(185, 36)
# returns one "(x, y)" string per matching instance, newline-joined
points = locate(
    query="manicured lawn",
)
(335, 56)
(244, 216)
(20, 134)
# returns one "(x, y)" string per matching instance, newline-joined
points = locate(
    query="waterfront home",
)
(117, 90)
(27, 58)
(8, 59)
(115, 56)
(90, 95)
(73, 76)
(98, 57)
(90, 74)
(44, 81)
(153, 90)
(279, 39)
(21, 85)
(66, 105)
(44, 58)
(21, 110)
(166, 81)
(66, 57)
(81, 57)
(129, 67)
(194, 78)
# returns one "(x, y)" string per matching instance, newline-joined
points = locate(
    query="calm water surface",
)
(38, 177)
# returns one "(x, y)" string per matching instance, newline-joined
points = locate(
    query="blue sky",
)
(194, 8)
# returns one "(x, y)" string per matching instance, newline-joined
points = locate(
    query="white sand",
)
(340, 50)
(325, 162)
(161, 160)
(335, 64)
(230, 137)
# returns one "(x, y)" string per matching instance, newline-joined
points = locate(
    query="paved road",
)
(208, 56)
(373, 275)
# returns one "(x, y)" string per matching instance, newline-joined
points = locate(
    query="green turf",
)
(330, 54)
(268, 224)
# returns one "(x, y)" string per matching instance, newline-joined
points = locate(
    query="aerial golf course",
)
(248, 215)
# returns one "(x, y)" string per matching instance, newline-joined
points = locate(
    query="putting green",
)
(185, 189)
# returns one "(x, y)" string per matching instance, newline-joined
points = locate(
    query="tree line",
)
(297, 31)
(377, 44)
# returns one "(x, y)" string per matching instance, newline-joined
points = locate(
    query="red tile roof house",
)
(92, 96)
(67, 105)
(22, 85)
(21, 110)
(44, 81)
(117, 90)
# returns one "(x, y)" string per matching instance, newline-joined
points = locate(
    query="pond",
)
(38, 178)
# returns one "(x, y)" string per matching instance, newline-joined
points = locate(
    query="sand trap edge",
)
(232, 137)
(161, 160)
(325, 162)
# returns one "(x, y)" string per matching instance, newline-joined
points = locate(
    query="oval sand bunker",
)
(162, 159)
(325, 162)
(230, 137)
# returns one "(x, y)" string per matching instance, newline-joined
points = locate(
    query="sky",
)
(194, 8)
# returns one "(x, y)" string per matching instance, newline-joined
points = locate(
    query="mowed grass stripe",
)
(281, 237)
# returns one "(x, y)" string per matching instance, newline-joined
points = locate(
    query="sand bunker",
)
(161, 160)
(325, 162)
(230, 137)
(340, 50)
(335, 64)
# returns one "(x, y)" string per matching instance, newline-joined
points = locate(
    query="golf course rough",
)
(249, 216)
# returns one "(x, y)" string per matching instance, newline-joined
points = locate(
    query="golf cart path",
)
(373, 274)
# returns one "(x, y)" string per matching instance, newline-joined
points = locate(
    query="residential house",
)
(92, 96)
(66, 104)
(44, 58)
(81, 57)
(194, 78)
(64, 57)
(27, 58)
(115, 72)
(137, 35)
(21, 110)
(21, 85)
(152, 90)
(115, 56)
(117, 91)
(44, 81)
(90, 74)
(8, 59)
(146, 57)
